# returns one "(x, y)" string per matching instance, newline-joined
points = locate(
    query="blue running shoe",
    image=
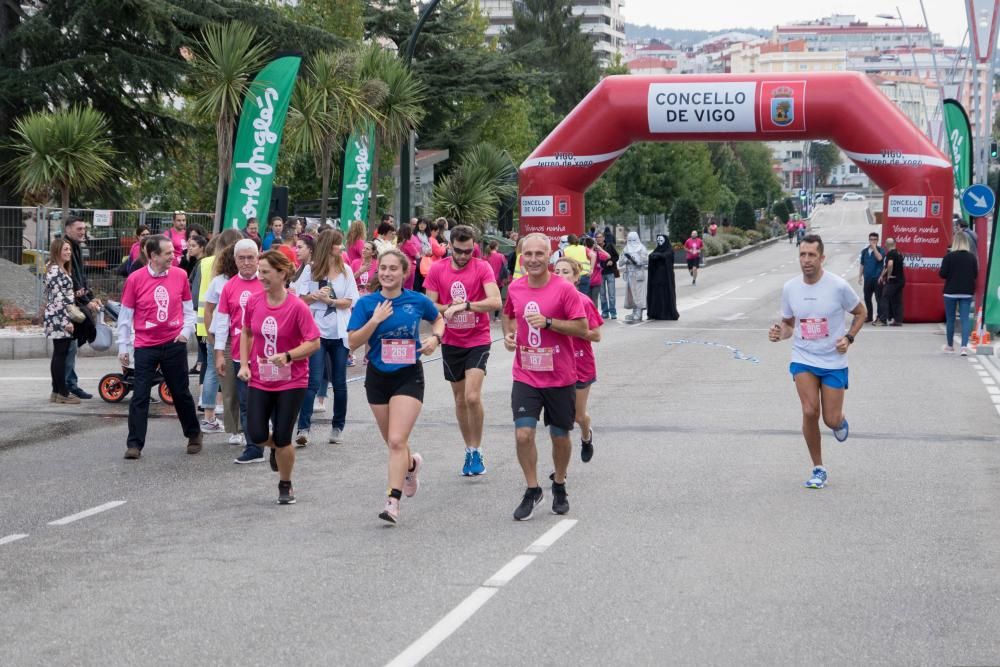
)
(467, 467)
(476, 466)
(841, 433)
(818, 478)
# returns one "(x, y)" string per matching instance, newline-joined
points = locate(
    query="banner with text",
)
(956, 122)
(356, 184)
(255, 150)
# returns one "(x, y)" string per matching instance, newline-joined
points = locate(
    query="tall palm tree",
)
(61, 150)
(402, 109)
(485, 179)
(331, 104)
(225, 60)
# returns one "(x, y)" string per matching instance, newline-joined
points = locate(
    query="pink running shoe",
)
(411, 484)
(391, 511)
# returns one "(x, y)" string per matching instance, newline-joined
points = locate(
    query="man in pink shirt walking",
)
(177, 235)
(541, 316)
(465, 292)
(158, 311)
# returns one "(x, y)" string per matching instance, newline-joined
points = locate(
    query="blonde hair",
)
(960, 242)
(574, 265)
(354, 232)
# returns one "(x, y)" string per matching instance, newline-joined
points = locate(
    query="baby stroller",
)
(114, 387)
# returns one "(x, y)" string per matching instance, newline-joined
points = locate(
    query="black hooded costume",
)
(661, 290)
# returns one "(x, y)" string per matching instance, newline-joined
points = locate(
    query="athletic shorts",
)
(693, 262)
(381, 386)
(278, 407)
(835, 378)
(456, 360)
(559, 404)
(584, 385)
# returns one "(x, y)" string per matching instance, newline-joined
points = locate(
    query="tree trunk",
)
(373, 219)
(224, 135)
(220, 190)
(325, 176)
(65, 204)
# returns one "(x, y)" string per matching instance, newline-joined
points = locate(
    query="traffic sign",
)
(978, 200)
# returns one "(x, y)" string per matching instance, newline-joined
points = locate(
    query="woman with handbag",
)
(60, 315)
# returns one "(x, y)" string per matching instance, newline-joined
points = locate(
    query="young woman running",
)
(389, 321)
(583, 355)
(278, 337)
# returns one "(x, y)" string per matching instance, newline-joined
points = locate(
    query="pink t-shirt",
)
(693, 246)
(233, 300)
(413, 250)
(355, 250)
(497, 262)
(583, 351)
(278, 329)
(544, 358)
(158, 304)
(177, 238)
(466, 329)
(365, 276)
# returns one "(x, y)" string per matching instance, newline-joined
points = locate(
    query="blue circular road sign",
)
(978, 200)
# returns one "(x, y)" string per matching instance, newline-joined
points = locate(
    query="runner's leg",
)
(562, 450)
(808, 387)
(474, 378)
(461, 410)
(833, 406)
(527, 455)
(582, 416)
(402, 415)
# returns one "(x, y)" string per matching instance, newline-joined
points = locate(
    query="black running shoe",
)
(587, 448)
(286, 495)
(532, 498)
(560, 499)
(274, 459)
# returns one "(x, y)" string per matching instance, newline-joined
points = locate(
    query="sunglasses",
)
(459, 251)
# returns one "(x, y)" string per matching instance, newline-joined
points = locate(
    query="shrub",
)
(684, 218)
(734, 241)
(713, 246)
(743, 215)
(754, 236)
(779, 209)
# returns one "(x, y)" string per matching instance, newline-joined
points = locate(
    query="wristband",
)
(548, 322)
(850, 338)
(468, 305)
(288, 357)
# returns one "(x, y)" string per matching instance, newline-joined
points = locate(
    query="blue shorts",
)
(835, 378)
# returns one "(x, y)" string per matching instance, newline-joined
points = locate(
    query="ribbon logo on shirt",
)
(270, 330)
(534, 333)
(162, 299)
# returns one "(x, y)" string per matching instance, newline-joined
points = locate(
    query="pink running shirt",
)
(583, 350)
(233, 300)
(693, 246)
(466, 329)
(365, 276)
(158, 304)
(544, 358)
(278, 329)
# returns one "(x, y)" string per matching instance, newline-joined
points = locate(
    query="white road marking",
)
(751, 280)
(989, 381)
(993, 390)
(85, 513)
(998, 408)
(995, 398)
(12, 538)
(761, 275)
(734, 317)
(454, 619)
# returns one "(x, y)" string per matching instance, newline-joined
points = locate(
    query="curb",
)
(40, 347)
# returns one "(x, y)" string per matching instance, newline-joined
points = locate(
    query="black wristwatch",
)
(468, 305)
(288, 357)
(850, 338)
(548, 322)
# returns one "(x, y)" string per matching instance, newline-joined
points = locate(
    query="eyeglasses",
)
(460, 251)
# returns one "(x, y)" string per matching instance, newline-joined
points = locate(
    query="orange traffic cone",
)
(974, 339)
(986, 338)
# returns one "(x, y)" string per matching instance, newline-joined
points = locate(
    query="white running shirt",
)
(820, 318)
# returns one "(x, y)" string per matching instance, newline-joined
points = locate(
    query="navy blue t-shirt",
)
(872, 267)
(407, 310)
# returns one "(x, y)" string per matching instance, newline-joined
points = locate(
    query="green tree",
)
(743, 215)
(758, 163)
(465, 196)
(684, 218)
(616, 65)
(513, 130)
(825, 155)
(344, 18)
(61, 151)
(227, 58)
(781, 211)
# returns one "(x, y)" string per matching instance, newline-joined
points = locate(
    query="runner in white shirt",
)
(813, 311)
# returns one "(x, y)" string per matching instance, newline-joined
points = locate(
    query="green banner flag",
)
(255, 151)
(991, 305)
(956, 123)
(356, 184)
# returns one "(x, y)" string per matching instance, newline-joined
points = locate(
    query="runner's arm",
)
(593, 335)
(433, 296)
(576, 327)
(491, 302)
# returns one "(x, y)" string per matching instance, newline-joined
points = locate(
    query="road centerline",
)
(86, 513)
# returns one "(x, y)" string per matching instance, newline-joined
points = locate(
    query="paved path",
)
(690, 539)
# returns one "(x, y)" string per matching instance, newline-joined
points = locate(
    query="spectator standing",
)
(959, 268)
(890, 307)
(275, 234)
(58, 325)
(75, 232)
(177, 234)
(661, 295)
(606, 240)
(636, 259)
(355, 240)
(869, 270)
(252, 232)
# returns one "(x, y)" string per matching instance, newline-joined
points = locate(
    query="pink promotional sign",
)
(844, 107)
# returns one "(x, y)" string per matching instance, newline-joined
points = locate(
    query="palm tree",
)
(485, 179)
(61, 150)
(401, 111)
(331, 104)
(225, 60)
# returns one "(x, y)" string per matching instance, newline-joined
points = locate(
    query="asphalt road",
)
(690, 539)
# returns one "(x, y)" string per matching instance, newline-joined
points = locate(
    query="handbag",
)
(75, 314)
(102, 341)
(425, 265)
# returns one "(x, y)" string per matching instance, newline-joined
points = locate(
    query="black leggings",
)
(57, 367)
(281, 406)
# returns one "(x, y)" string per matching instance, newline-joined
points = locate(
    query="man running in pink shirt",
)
(465, 292)
(693, 247)
(542, 314)
(157, 308)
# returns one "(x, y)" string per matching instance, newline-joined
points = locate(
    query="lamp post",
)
(405, 158)
(916, 67)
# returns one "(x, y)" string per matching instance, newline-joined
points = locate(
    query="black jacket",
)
(79, 274)
(959, 268)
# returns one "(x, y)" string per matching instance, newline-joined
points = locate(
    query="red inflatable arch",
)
(843, 107)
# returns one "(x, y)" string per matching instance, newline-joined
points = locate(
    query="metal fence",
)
(27, 232)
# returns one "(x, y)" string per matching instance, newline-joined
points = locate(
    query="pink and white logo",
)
(269, 327)
(458, 293)
(244, 298)
(534, 333)
(162, 300)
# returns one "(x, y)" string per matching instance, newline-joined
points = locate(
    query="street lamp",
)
(404, 155)
(916, 67)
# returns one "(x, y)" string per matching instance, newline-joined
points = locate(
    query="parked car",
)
(853, 196)
(823, 198)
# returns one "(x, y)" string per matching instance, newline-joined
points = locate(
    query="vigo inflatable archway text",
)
(843, 107)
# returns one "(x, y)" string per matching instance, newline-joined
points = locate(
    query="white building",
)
(602, 20)
(843, 32)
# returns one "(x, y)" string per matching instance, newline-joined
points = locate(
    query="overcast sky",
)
(946, 17)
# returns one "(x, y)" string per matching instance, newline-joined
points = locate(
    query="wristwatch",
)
(849, 337)
(438, 336)
(468, 305)
(288, 357)
(548, 322)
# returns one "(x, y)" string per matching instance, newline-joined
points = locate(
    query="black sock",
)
(282, 484)
(395, 493)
